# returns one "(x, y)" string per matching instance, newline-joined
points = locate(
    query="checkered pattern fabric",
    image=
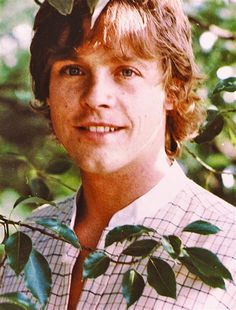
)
(168, 207)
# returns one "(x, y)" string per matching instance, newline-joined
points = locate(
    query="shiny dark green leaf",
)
(18, 248)
(202, 228)
(64, 7)
(161, 277)
(141, 247)
(213, 281)
(172, 245)
(228, 84)
(121, 233)
(132, 286)
(38, 278)
(60, 229)
(39, 188)
(207, 263)
(32, 200)
(19, 300)
(58, 166)
(212, 127)
(95, 264)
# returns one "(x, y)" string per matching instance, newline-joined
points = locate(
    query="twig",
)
(38, 2)
(206, 166)
(220, 32)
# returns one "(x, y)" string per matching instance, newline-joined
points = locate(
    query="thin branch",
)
(220, 32)
(38, 2)
(206, 166)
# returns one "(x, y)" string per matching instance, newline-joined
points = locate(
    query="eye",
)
(127, 72)
(72, 70)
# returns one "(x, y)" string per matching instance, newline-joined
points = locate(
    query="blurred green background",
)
(33, 163)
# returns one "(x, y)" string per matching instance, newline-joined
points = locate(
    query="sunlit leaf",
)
(96, 7)
(202, 228)
(207, 263)
(33, 200)
(38, 278)
(58, 166)
(95, 265)
(132, 286)
(62, 6)
(228, 84)
(60, 229)
(213, 281)
(141, 247)
(19, 300)
(172, 245)
(161, 277)
(39, 188)
(121, 233)
(213, 126)
(18, 248)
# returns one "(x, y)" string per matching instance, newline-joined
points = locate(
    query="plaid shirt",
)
(168, 207)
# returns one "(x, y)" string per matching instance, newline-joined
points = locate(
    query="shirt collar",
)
(148, 204)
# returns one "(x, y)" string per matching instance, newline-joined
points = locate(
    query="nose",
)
(99, 92)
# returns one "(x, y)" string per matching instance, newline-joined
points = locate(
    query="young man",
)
(121, 101)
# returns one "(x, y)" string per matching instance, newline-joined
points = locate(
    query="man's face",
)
(108, 112)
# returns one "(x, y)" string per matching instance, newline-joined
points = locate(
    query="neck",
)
(105, 194)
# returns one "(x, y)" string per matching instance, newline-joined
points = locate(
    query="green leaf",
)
(39, 188)
(20, 300)
(64, 7)
(202, 228)
(161, 277)
(58, 166)
(141, 247)
(95, 264)
(211, 281)
(132, 286)
(38, 278)
(228, 84)
(172, 245)
(18, 248)
(10, 306)
(96, 7)
(60, 229)
(121, 233)
(213, 126)
(33, 200)
(208, 263)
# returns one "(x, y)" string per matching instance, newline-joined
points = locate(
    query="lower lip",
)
(97, 136)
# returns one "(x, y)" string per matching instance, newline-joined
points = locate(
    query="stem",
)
(206, 166)
(54, 179)
(38, 2)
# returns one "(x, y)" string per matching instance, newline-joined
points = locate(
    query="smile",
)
(100, 129)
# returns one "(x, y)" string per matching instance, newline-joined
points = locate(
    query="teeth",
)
(101, 129)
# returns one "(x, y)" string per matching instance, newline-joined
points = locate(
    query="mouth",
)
(100, 129)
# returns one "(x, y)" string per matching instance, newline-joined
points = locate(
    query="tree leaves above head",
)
(33, 200)
(132, 286)
(141, 247)
(212, 127)
(64, 7)
(18, 248)
(95, 264)
(58, 166)
(60, 229)
(38, 278)
(96, 7)
(172, 245)
(213, 281)
(228, 84)
(39, 188)
(121, 233)
(161, 277)
(207, 263)
(17, 301)
(202, 228)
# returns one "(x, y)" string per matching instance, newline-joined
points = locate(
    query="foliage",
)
(22, 257)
